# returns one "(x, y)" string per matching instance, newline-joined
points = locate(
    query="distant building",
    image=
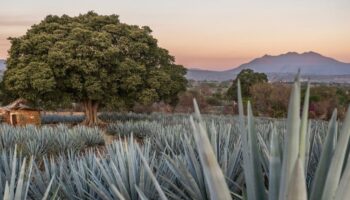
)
(19, 113)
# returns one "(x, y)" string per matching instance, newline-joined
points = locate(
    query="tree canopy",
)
(93, 59)
(247, 78)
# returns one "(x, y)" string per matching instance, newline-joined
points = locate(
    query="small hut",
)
(19, 113)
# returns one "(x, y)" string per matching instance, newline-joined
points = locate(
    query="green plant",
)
(18, 177)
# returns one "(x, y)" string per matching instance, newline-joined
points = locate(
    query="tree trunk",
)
(90, 108)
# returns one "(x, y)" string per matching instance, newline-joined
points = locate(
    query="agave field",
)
(181, 157)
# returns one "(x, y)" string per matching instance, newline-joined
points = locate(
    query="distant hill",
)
(311, 64)
(201, 75)
(2, 65)
(2, 68)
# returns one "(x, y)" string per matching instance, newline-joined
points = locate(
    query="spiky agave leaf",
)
(150, 173)
(338, 158)
(297, 186)
(303, 127)
(213, 175)
(188, 171)
(275, 166)
(251, 155)
(343, 191)
(46, 194)
(307, 148)
(119, 195)
(291, 150)
(244, 136)
(254, 177)
(13, 175)
(7, 191)
(20, 183)
(325, 159)
(21, 190)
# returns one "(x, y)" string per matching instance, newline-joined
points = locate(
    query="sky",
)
(208, 34)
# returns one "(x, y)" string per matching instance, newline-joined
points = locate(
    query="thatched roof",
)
(19, 104)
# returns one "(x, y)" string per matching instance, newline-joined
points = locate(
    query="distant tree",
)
(92, 59)
(270, 99)
(247, 78)
(186, 101)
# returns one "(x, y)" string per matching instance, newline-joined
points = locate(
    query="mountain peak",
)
(310, 63)
(293, 53)
(2, 64)
(289, 53)
(311, 53)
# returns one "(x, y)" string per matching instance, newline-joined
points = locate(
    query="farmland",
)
(179, 156)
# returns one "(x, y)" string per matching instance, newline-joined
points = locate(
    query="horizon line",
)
(223, 69)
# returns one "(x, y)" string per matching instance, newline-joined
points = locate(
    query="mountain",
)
(310, 63)
(2, 65)
(201, 75)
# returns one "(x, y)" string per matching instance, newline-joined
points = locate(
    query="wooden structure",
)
(19, 113)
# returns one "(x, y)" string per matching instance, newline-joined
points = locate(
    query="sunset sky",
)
(208, 34)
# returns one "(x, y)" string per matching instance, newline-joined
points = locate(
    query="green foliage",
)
(248, 78)
(91, 57)
(213, 101)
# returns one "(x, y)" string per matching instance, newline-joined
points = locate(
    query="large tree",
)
(247, 78)
(94, 60)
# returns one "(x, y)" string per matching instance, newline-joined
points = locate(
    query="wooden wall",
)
(22, 117)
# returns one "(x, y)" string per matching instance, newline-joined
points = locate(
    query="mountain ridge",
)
(310, 63)
(2, 64)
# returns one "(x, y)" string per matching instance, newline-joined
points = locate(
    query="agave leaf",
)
(343, 191)
(254, 177)
(291, 149)
(213, 139)
(103, 166)
(240, 101)
(325, 160)
(297, 185)
(275, 166)
(176, 191)
(46, 194)
(335, 169)
(150, 173)
(255, 188)
(180, 172)
(20, 181)
(101, 193)
(131, 169)
(307, 147)
(13, 174)
(213, 175)
(304, 127)
(118, 194)
(29, 175)
(244, 144)
(265, 153)
(140, 193)
(7, 192)
(196, 169)
(55, 194)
